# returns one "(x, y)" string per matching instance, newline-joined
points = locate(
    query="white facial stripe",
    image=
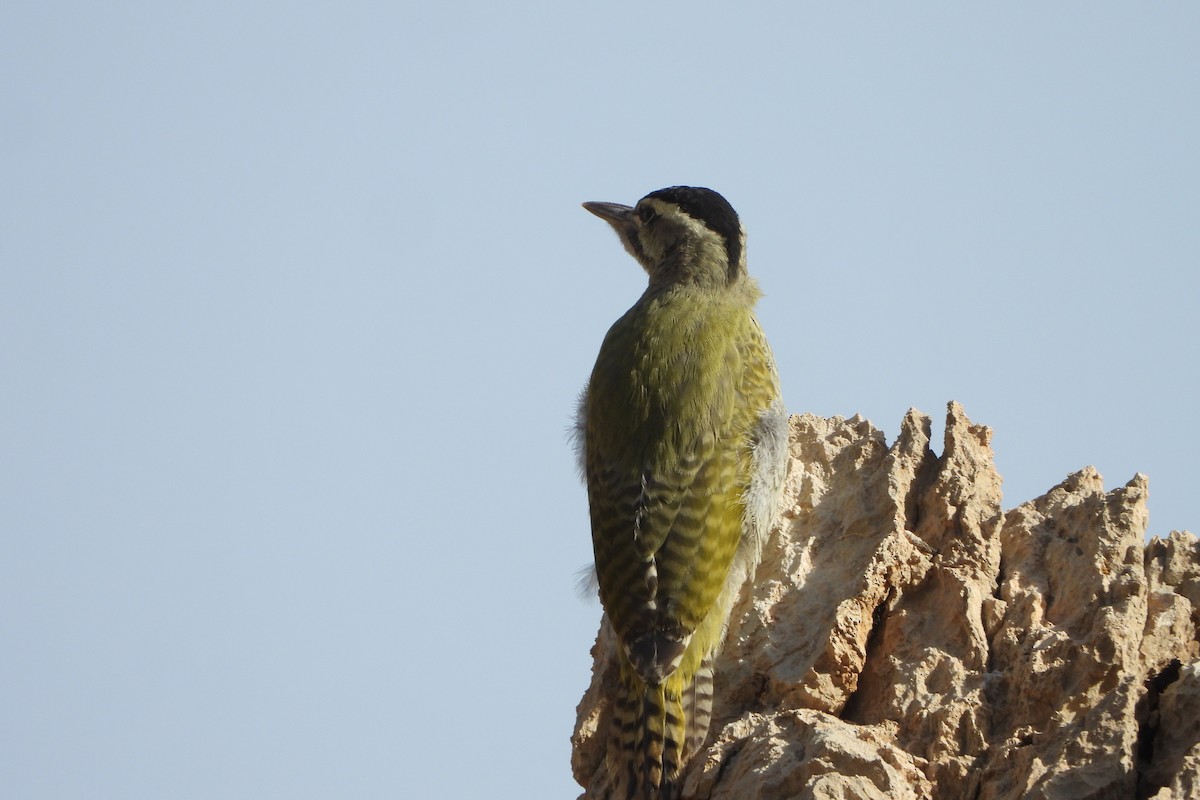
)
(698, 230)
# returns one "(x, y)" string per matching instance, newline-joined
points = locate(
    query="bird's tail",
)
(656, 729)
(697, 708)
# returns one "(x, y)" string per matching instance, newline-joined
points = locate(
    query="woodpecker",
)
(683, 442)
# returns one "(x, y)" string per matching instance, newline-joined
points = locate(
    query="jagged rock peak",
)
(907, 637)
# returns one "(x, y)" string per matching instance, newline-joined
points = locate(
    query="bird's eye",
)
(647, 214)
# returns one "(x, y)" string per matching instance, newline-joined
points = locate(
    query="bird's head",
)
(682, 234)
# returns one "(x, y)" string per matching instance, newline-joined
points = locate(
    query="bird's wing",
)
(666, 529)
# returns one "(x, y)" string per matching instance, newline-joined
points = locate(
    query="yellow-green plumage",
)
(684, 442)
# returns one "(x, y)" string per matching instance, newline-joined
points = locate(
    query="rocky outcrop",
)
(907, 638)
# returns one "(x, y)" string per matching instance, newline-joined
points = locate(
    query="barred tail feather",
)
(697, 708)
(647, 748)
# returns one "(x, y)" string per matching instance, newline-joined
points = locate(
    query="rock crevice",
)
(907, 637)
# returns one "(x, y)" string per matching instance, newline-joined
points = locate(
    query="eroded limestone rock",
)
(906, 637)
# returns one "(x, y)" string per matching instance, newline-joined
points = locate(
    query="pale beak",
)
(613, 213)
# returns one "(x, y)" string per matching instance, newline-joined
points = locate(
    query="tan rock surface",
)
(906, 637)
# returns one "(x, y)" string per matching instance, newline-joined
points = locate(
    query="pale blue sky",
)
(295, 301)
